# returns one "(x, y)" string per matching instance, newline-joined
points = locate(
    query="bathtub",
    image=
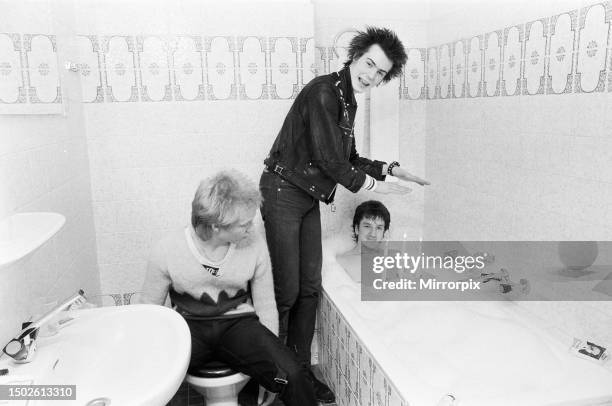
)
(445, 353)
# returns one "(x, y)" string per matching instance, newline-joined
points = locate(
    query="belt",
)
(292, 177)
(280, 170)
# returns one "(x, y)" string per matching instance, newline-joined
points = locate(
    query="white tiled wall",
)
(30, 70)
(532, 166)
(148, 153)
(205, 89)
(202, 90)
(44, 167)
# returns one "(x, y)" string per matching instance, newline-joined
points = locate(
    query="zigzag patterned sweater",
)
(203, 289)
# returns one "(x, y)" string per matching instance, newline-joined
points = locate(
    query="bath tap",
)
(501, 276)
(505, 284)
(23, 347)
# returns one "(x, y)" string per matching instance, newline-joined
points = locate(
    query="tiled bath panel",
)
(353, 374)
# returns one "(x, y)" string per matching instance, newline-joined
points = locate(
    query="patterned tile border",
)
(150, 68)
(569, 52)
(115, 299)
(29, 74)
(565, 53)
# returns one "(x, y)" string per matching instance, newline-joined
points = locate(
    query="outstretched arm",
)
(403, 174)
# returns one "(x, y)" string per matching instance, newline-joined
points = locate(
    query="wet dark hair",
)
(370, 209)
(389, 42)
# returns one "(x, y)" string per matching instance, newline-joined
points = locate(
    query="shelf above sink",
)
(23, 233)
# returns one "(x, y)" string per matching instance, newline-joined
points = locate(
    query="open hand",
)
(387, 188)
(408, 177)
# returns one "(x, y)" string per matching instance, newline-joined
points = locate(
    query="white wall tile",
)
(528, 167)
(117, 248)
(474, 66)
(124, 277)
(445, 73)
(221, 68)
(492, 60)
(154, 73)
(535, 51)
(432, 76)
(253, 68)
(188, 68)
(560, 68)
(512, 56)
(590, 70)
(121, 85)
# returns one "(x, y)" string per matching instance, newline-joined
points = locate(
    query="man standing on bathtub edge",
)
(313, 153)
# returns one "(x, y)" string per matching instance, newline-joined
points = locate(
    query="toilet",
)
(220, 385)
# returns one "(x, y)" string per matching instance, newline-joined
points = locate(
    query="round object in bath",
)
(578, 255)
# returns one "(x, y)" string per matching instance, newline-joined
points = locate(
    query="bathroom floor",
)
(186, 396)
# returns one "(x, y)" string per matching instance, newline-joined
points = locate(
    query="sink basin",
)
(129, 355)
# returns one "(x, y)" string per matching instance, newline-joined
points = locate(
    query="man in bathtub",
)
(370, 224)
(313, 153)
(217, 273)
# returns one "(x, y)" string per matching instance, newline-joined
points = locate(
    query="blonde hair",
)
(219, 199)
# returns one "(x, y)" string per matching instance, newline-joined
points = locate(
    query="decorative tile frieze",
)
(13, 88)
(564, 53)
(593, 36)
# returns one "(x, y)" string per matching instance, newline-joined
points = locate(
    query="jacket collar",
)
(347, 86)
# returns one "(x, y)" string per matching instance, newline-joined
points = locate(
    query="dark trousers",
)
(249, 347)
(293, 231)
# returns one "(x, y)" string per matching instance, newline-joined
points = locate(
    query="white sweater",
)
(204, 289)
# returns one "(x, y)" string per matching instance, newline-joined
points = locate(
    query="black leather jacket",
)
(315, 148)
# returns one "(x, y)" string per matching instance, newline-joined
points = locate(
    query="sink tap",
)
(23, 347)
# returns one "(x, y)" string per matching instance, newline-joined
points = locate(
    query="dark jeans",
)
(249, 347)
(293, 231)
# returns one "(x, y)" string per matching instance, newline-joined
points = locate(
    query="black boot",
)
(322, 392)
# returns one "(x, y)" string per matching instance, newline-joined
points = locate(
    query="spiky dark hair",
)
(389, 42)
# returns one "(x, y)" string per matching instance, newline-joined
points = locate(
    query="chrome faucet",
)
(505, 284)
(23, 347)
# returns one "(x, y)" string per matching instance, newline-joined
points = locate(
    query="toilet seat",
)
(214, 374)
(212, 369)
(219, 375)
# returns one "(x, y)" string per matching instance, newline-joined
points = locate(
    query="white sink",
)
(130, 355)
(23, 233)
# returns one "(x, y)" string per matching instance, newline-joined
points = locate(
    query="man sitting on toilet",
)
(218, 275)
